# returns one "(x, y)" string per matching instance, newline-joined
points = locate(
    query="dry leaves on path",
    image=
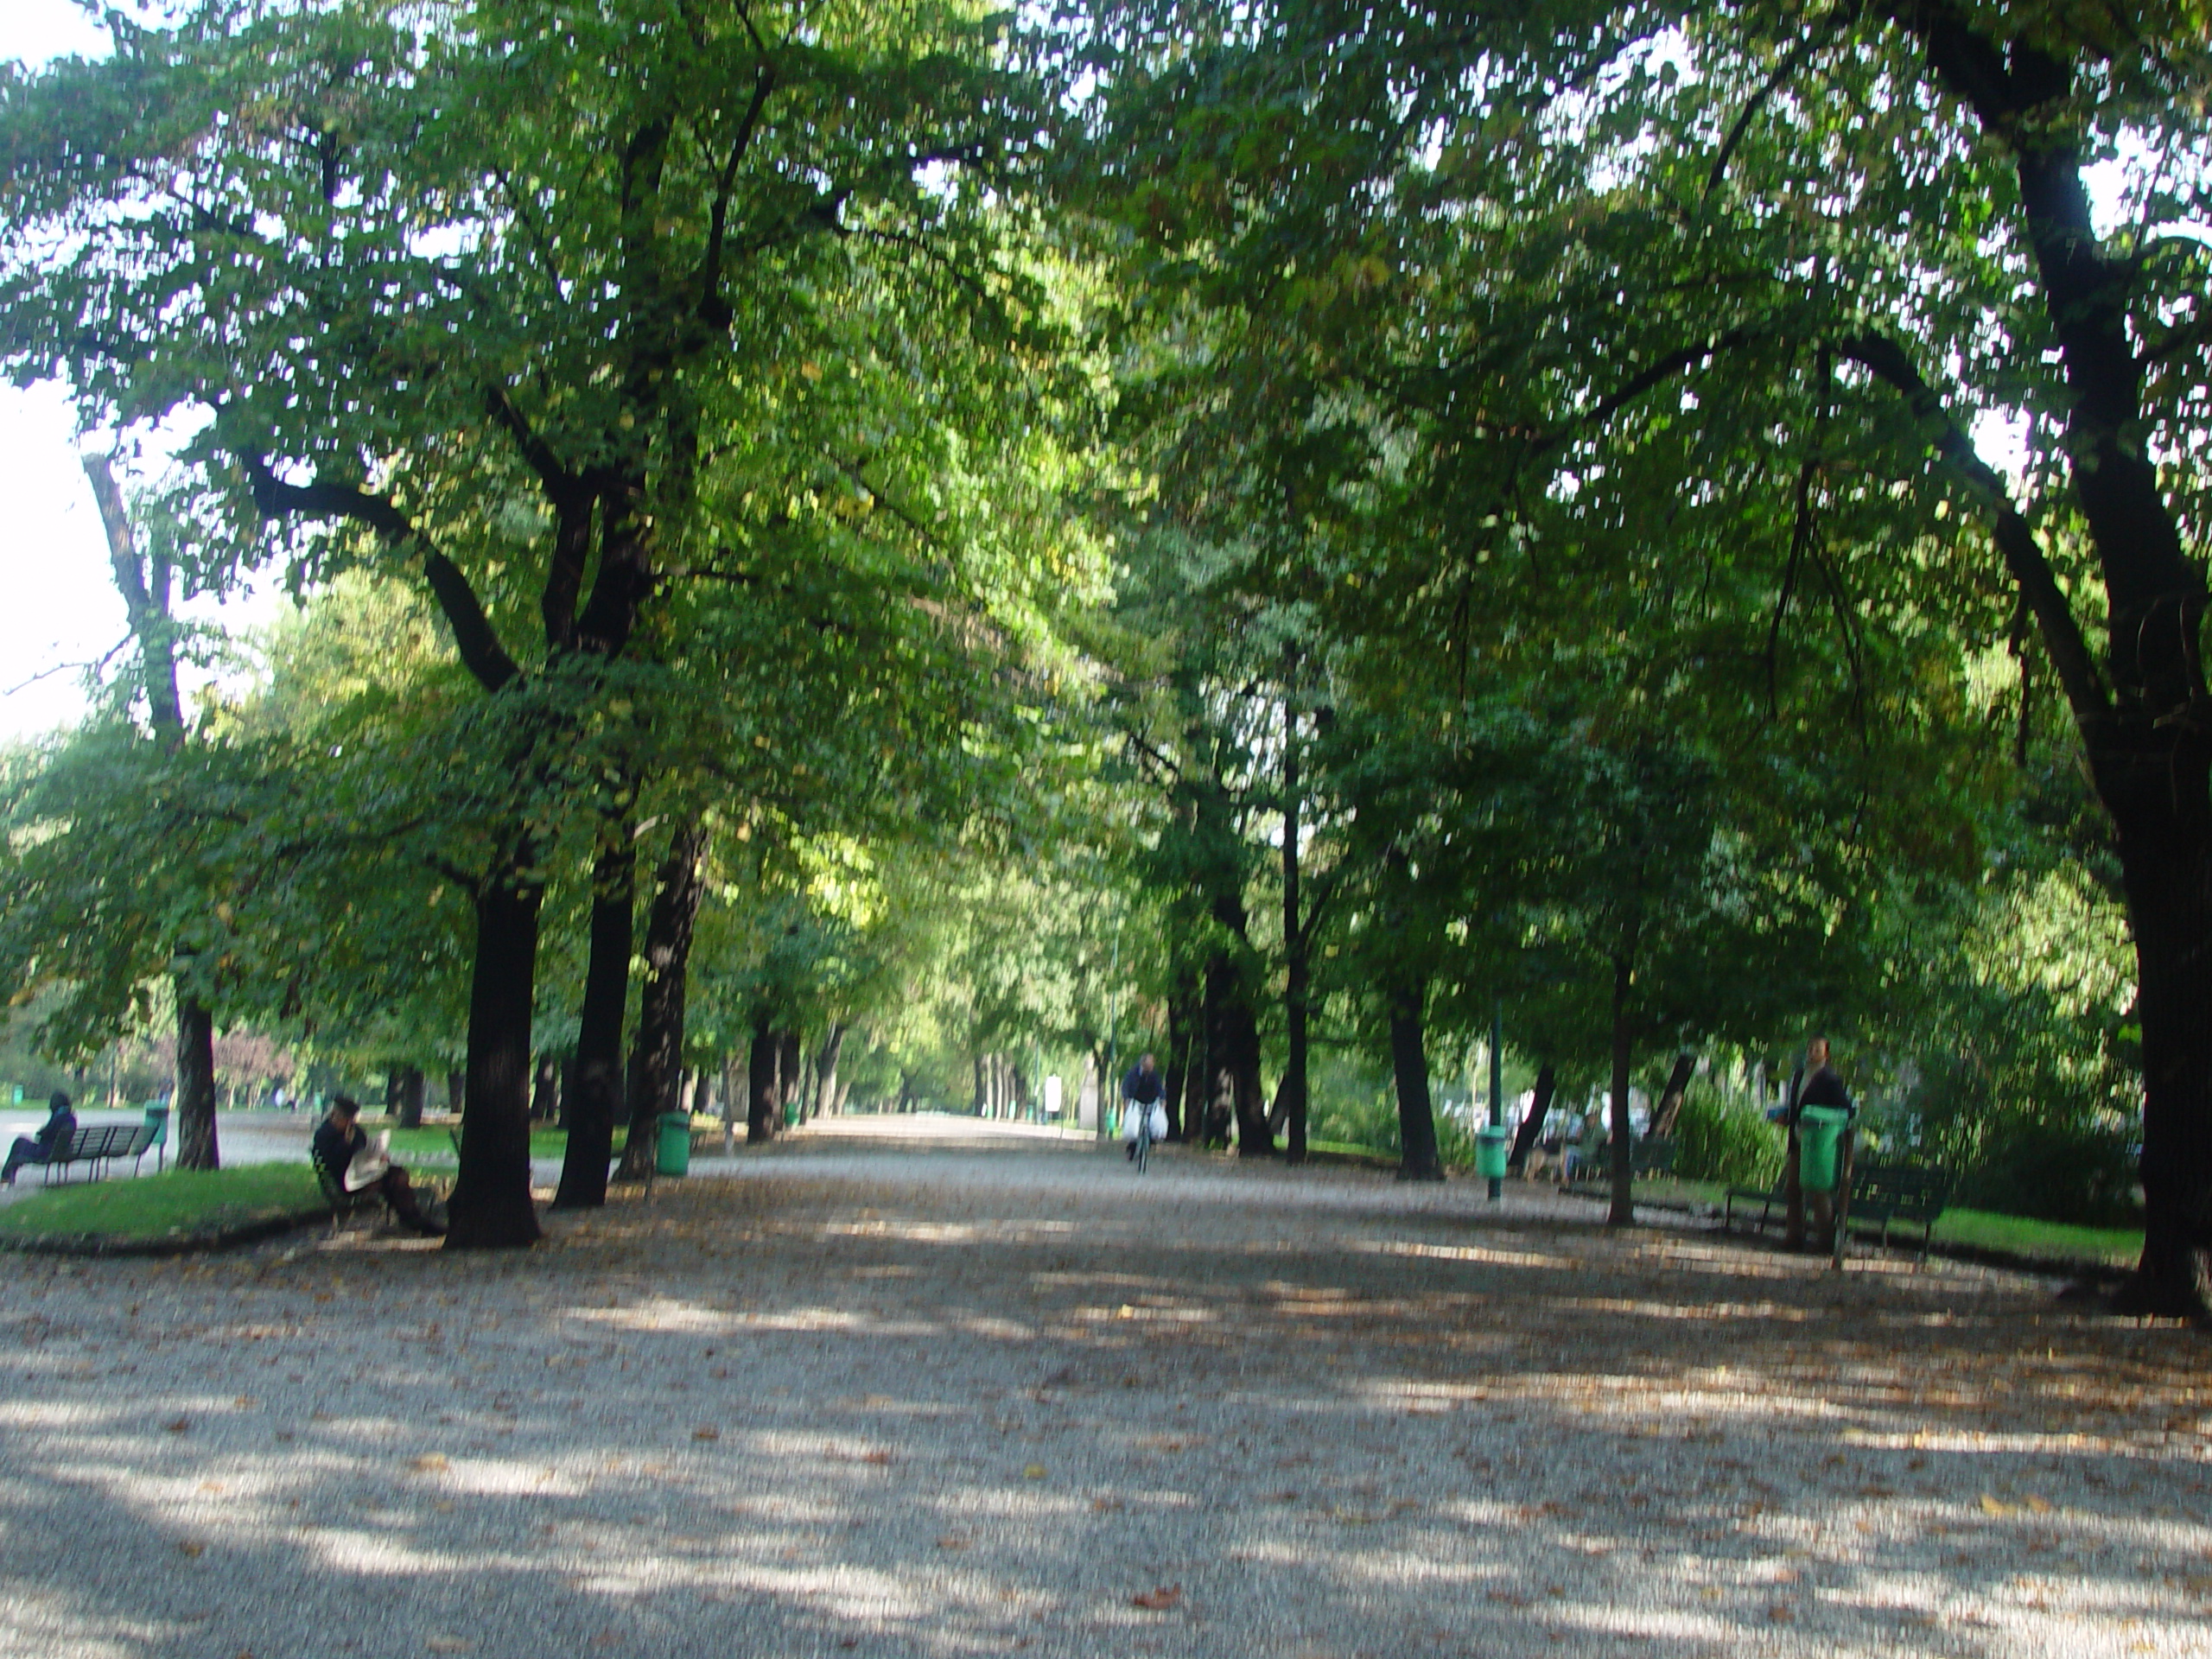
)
(1160, 1601)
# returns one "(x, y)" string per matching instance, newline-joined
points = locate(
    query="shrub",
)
(1725, 1138)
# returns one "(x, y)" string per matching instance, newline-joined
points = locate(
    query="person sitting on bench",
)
(342, 1149)
(52, 1140)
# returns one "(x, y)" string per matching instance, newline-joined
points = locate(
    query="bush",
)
(1725, 1138)
(2076, 1172)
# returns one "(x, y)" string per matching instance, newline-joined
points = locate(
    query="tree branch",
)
(472, 634)
(2062, 634)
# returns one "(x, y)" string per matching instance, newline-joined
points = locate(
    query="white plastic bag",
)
(1132, 1114)
(1159, 1121)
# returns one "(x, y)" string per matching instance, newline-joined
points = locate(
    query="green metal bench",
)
(1645, 1160)
(1886, 1192)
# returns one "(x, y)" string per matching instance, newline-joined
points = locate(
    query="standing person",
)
(339, 1142)
(53, 1141)
(1142, 1089)
(1815, 1085)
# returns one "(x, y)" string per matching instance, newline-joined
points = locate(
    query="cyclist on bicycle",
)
(1142, 1089)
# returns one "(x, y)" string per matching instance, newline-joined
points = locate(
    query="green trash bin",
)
(675, 1144)
(1493, 1146)
(1819, 1129)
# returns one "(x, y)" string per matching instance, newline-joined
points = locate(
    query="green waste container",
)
(675, 1144)
(1493, 1146)
(1819, 1129)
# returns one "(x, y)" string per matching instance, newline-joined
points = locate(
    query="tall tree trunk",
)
(596, 1092)
(657, 1057)
(491, 1207)
(789, 1058)
(825, 1070)
(142, 580)
(1291, 1093)
(1233, 1056)
(2149, 752)
(1669, 1105)
(1178, 1059)
(195, 1085)
(1622, 1212)
(733, 1098)
(412, 1089)
(760, 1081)
(1418, 1159)
(1532, 1127)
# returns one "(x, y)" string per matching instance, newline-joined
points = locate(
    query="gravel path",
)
(923, 1393)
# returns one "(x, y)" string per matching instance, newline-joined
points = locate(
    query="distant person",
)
(1142, 1090)
(51, 1142)
(342, 1149)
(1819, 1086)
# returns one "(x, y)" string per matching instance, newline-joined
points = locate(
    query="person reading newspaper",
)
(358, 1164)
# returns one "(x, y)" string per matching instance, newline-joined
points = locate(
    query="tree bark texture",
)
(1532, 1127)
(196, 1086)
(1623, 1212)
(1670, 1106)
(826, 1099)
(1178, 1066)
(596, 1090)
(1418, 1158)
(657, 1056)
(1233, 1056)
(1291, 1092)
(760, 1081)
(413, 1089)
(790, 1052)
(491, 1207)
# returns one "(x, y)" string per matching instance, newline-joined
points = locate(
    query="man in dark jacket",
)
(52, 1140)
(1820, 1087)
(339, 1140)
(1142, 1090)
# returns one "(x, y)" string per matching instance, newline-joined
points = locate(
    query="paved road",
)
(918, 1393)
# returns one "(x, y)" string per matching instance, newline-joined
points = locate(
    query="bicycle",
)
(1143, 1140)
(1149, 1120)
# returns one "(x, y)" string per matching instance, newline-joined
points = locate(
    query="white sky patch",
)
(64, 610)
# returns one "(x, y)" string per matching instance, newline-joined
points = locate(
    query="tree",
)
(465, 293)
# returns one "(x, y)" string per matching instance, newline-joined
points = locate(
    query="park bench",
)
(1879, 1191)
(99, 1145)
(1645, 1159)
(343, 1205)
(1888, 1193)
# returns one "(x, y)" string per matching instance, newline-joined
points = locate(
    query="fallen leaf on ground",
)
(949, 1542)
(707, 1432)
(429, 1463)
(1989, 1502)
(193, 1548)
(179, 1425)
(1033, 1472)
(448, 1644)
(1160, 1601)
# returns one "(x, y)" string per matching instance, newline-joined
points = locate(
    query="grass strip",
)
(176, 1205)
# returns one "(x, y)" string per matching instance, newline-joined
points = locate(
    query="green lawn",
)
(433, 1149)
(176, 1203)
